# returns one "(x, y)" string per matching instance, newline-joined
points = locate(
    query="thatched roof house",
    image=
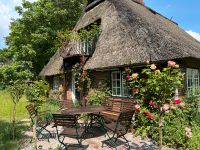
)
(54, 66)
(134, 33)
(130, 33)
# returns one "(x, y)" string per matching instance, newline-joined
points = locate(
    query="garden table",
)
(93, 112)
(83, 110)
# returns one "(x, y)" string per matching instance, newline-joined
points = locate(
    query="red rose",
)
(151, 103)
(128, 77)
(147, 113)
(150, 116)
(177, 101)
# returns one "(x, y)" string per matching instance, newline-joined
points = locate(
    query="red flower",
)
(84, 73)
(151, 103)
(128, 77)
(177, 101)
(150, 116)
(147, 113)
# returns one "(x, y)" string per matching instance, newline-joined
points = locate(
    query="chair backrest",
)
(31, 110)
(117, 105)
(124, 121)
(63, 120)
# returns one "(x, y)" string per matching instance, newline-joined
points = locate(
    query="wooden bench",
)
(114, 106)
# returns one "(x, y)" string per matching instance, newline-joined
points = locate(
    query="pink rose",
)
(171, 63)
(153, 66)
(134, 75)
(165, 107)
(173, 107)
(137, 107)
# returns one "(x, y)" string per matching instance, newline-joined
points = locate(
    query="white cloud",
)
(194, 34)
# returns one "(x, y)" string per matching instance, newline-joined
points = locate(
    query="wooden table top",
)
(83, 110)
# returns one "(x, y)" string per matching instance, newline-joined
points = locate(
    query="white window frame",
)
(55, 83)
(194, 87)
(122, 87)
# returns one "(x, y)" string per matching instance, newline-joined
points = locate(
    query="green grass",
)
(6, 106)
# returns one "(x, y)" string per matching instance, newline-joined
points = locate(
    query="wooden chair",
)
(43, 120)
(118, 129)
(71, 129)
(113, 108)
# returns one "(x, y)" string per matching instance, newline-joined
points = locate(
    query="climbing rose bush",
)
(153, 92)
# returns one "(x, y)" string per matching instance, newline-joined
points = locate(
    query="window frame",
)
(55, 83)
(192, 88)
(122, 87)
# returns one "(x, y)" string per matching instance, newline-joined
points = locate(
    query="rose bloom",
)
(153, 67)
(173, 107)
(187, 129)
(134, 75)
(151, 103)
(165, 107)
(137, 107)
(182, 104)
(171, 63)
(128, 77)
(84, 73)
(177, 101)
(150, 116)
(147, 113)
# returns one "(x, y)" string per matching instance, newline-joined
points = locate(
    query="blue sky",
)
(185, 12)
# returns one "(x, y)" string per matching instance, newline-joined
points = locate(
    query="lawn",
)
(6, 106)
(6, 116)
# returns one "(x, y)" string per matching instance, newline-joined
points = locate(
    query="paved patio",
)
(136, 143)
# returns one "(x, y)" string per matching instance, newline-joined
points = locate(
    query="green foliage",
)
(16, 90)
(6, 135)
(11, 72)
(90, 32)
(154, 95)
(36, 92)
(82, 77)
(97, 97)
(33, 36)
(194, 142)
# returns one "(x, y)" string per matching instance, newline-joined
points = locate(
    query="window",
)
(119, 87)
(55, 83)
(192, 81)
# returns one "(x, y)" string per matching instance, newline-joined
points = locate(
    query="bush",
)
(194, 142)
(96, 97)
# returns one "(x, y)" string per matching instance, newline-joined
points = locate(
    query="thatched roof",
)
(54, 66)
(134, 33)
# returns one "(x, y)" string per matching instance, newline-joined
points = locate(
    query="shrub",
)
(96, 97)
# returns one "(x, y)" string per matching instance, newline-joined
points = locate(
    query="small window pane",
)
(192, 81)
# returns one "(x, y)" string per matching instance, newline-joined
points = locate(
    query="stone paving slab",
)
(90, 144)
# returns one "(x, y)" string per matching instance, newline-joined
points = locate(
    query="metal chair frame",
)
(122, 126)
(42, 122)
(69, 121)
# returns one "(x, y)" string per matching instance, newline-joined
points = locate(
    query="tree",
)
(33, 36)
(16, 91)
